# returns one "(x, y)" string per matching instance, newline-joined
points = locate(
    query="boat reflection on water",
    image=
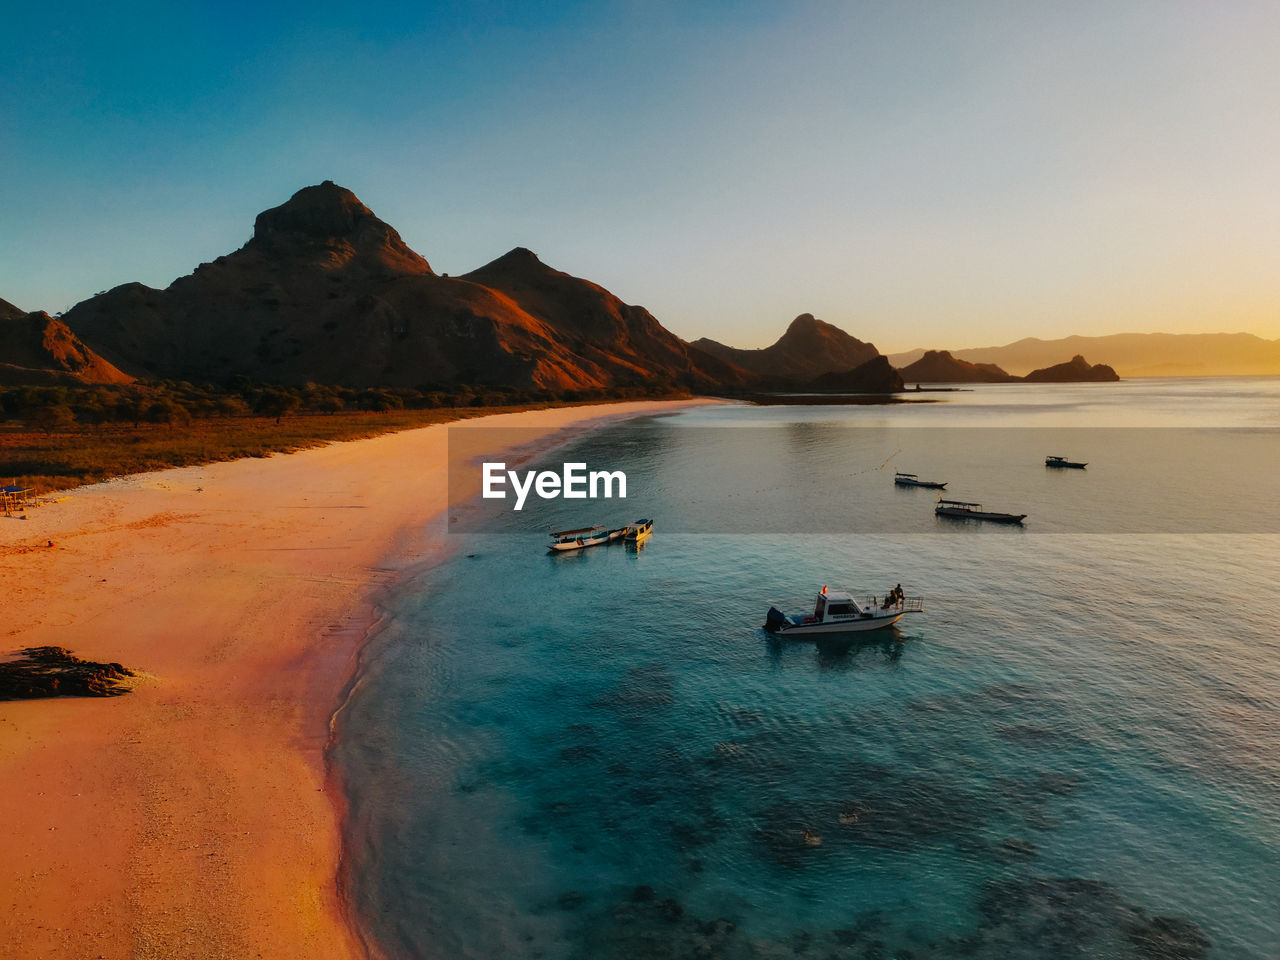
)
(842, 652)
(839, 653)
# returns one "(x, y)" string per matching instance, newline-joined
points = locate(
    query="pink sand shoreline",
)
(249, 591)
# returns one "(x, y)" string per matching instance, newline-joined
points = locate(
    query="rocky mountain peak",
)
(329, 216)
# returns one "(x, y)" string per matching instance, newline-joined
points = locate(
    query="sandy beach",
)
(194, 816)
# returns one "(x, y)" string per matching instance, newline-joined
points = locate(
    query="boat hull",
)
(562, 547)
(839, 627)
(921, 483)
(974, 515)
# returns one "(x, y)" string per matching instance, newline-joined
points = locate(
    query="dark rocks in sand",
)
(54, 672)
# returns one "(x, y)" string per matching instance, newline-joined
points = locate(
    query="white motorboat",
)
(839, 611)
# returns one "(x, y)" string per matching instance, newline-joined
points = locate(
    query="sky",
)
(922, 174)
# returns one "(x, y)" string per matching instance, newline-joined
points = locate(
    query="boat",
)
(581, 538)
(974, 511)
(637, 532)
(1064, 462)
(839, 611)
(911, 480)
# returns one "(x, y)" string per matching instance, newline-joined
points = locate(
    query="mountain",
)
(1135, 354)
(39, 350)
(1075, 370)
(601, 331)
(809, 347)
(874, 376)
(325, 291)
(939, 366)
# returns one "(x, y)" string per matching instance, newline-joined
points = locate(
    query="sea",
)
(1074, 751)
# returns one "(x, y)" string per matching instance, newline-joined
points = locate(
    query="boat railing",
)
(906, 604)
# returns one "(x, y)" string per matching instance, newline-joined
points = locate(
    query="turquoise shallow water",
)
(1075, 751)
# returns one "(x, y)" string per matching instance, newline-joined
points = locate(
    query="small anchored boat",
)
(1064, 462)
(581, 538)
(637, 532)
(911, 480)
(838, 611)
(974, 511)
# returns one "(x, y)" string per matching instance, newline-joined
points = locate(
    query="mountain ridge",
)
(808, 348)
(325, 291)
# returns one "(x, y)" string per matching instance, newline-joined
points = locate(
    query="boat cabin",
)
(574, 533)
(638, 531)
(961, 505)
(835, 603)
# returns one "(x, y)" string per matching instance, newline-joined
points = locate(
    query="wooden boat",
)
(1064, 462)
(581, 538)
(911, 480)
(637, 532)
(838, 611)
(974, 511)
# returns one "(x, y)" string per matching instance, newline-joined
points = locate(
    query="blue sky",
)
(921, 174)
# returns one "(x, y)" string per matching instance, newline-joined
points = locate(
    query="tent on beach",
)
(13, 497)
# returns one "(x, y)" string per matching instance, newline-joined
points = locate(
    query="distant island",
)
(939, 366)
(1131, 354)
(1075, 370)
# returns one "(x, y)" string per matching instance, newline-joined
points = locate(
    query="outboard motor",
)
(775, 620)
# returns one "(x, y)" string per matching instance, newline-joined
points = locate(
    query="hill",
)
(1134, 354)
(325, 291)
(1075, 370)
(39, 350)
(809, 348)
(939, 366)
(874, 376)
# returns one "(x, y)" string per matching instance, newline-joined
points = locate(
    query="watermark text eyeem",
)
(574, 482)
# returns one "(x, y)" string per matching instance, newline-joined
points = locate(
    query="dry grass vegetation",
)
(54, 439)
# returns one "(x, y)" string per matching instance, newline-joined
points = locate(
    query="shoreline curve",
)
(201, 815)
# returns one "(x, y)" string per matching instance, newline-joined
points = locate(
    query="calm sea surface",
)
(1074, 751)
